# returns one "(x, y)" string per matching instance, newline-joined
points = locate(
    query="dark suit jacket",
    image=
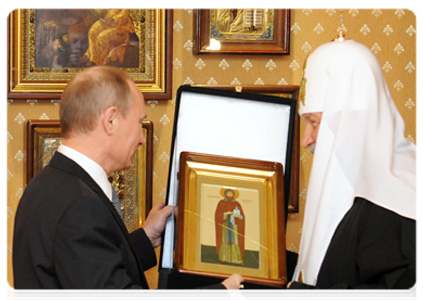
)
(69, 235)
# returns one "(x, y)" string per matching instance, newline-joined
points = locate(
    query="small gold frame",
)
(241, 42)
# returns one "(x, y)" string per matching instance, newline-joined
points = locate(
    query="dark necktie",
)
(116, 203)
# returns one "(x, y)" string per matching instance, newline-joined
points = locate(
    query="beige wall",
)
(390, 33)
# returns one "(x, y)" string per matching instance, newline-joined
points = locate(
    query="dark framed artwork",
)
(133, 185)
(286, 91)
(47, 47)
(231, 218)
(242, 31)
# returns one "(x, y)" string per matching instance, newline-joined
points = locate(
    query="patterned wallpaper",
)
(389, 33)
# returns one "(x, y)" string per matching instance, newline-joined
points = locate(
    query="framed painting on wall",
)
(242, 31)
(133, 185)
(231, 218)
(48, 47)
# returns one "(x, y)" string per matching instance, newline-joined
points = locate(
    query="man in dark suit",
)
(68, 233)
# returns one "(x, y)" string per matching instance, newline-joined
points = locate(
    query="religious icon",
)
(110, 39)
(238, 20)
(242, 31)
(230, 218)
(48, 47)
(243, 24)
(83, 38)
(229, 234)
(230, 228)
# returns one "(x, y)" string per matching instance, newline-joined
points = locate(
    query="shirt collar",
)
(96, 172)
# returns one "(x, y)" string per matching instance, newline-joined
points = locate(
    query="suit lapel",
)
(64, 163)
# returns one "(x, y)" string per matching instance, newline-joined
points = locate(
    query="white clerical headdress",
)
(360, 151)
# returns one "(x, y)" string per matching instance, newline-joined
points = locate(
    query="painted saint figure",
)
(109, 37)
(239, 20)
(230, 228)
(85, 38)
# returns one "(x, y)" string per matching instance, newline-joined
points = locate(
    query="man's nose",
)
(307, 139)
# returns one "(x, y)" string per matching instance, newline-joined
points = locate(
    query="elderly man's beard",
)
(311, 148)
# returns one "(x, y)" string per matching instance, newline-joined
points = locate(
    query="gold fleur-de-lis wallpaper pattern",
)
(389, 33)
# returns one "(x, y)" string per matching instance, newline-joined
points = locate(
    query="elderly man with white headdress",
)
(359, 222)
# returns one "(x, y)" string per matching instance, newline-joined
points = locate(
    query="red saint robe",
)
(225, 206)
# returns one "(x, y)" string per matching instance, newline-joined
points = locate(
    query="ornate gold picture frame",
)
(133, 185)
(231, 218)
(48, 47)
(242, 31)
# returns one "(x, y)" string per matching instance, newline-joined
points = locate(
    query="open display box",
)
(242, 128)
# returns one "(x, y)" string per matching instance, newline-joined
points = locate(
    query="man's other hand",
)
(233, 284)
(155, 222)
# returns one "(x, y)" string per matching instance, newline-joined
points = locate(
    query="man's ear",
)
(110, 119)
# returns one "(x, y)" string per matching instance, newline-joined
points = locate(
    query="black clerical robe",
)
(372, 248)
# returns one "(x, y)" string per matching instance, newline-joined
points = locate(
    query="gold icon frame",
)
(200, 175)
